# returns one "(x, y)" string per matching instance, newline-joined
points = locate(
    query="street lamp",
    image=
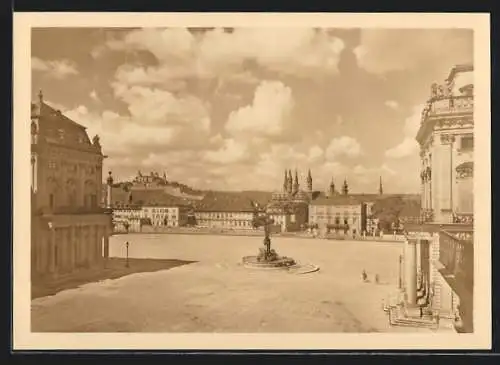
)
(126, 262)
(400, 281)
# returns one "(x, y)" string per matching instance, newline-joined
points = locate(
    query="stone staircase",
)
(409, 317)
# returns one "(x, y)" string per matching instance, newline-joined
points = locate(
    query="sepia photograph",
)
(263, 177)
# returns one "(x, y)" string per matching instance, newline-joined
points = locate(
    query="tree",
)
(387, 211)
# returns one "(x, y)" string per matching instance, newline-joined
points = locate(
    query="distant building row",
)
(292, 209)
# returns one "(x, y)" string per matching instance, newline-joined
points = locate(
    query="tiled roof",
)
(217, 201)
(55, 127)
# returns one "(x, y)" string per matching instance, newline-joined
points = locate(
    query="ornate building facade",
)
(439, 251)
(446, 141)
(289, 207)
(68, 226)
(339, 213)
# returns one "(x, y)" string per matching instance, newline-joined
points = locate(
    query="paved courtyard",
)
(217, 294)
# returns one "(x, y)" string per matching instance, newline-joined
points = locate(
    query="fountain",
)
(268, 258)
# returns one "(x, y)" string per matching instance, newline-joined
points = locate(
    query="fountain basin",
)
(277, 263)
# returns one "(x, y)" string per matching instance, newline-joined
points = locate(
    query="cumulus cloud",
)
(93, 95)
(58, 69)
(392, 104)
(315, 153)
(409, 145)
(343, 146)
(156, 106)
(383, 50)
(268, 113)
(157, 121)
(215, 53)
(232, 151)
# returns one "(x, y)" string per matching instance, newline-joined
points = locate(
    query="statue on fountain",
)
(265, 253)
(267, 256)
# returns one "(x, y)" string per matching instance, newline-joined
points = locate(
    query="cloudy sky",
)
(232, 108)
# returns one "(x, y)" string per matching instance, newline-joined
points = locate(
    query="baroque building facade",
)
(68, 226)
(439, 251)
(289, 207)
(446, 141)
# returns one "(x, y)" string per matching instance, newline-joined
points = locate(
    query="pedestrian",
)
(364, 275)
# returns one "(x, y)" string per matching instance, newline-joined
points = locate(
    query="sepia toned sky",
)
(230, 109)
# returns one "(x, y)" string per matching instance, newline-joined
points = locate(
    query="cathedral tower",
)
(289, 182)
(309, 181)
(296, 183)
(345, 187)
(285, 182)
(332, 188)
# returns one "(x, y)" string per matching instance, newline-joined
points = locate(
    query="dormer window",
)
(60, 133)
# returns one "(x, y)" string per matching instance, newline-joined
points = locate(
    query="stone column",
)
(52, 251)
(106, 244)
(411, 270)
(72, 248)
(90, 244)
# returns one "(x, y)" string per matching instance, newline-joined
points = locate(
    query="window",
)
(93, 200)
(467, 143)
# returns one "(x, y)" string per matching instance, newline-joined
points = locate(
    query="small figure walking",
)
(364, 275)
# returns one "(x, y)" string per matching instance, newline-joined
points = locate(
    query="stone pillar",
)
(411, 270)
(106, 245)
(52, 251)
(90, 244)
(78, 249)
(83, 245)
(72, 248)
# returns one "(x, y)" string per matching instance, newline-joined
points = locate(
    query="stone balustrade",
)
(452, 105)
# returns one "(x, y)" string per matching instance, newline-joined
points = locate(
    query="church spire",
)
(309, 181)
(285, 182)
(332, 188)
(380, 188)
(345, 188)
(289, 182)
(296, 183)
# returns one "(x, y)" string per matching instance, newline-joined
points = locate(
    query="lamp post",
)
(400, 281)
(126, 262)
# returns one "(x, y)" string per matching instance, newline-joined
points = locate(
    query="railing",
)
(452, 105)
(463, 218)
(456, 253)
(427, 215)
